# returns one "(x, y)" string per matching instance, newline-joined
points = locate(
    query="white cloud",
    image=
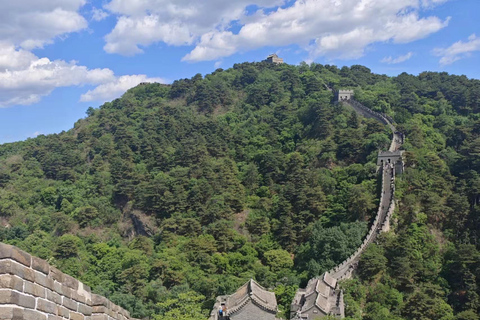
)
(26, 78)
(399, 59)
(333, 28)
(99, 14)
(116, 88)
(32, 23)
(458, 50)
(179, 22)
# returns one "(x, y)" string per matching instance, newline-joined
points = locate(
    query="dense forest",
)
(173, 194)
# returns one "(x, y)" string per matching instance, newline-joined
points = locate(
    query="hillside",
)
(172, 195)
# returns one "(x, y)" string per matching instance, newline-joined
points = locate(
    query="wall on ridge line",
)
(377, 224)
(31, 289)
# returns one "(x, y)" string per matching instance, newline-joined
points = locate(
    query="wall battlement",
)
(31, 289)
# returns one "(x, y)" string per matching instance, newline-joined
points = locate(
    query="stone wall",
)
(31, 289)
(381, 223)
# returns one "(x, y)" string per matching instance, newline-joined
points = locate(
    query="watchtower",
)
(391, 157)
(273, 58)
(344, 95)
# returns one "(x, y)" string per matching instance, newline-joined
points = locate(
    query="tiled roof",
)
(251, 291)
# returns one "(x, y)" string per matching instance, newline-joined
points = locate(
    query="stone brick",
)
(43, 280)
(99, 309)
(77, 297)
(46, 306)
(54, 297)
(70, 282)
(12, 267)
(34, 289)
(63, 312)
(33, 315)
(86, 288)
(70, 304)
(99, 317)
(13, 297)
(11, 282)
(84, 309)
(58, 287)
(99, 301)
(40, 265)
(67, 292)
(76, 316)
(54, 317)
(56, 274)
(11, 313)
(8, 251)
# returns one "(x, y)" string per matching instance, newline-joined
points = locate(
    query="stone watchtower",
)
(274, 59)
(344, 95)
(391, 157)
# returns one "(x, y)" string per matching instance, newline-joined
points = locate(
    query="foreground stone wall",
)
(31, 289)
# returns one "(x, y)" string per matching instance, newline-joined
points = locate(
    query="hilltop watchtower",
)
(344, 95)
(274, 59)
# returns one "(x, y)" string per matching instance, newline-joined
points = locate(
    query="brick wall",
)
(31, 289)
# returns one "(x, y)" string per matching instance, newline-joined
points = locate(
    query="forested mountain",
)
(171, 195)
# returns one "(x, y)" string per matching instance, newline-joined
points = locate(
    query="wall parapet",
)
(31, 289)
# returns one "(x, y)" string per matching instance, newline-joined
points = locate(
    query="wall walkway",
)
(387, 204)
(334, 304)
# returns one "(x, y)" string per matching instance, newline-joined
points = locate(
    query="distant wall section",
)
(31, 289)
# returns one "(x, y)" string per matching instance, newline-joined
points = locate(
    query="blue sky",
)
(59, 57)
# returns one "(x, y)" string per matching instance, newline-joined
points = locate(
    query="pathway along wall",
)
(31, 289)
(332, 298)
(387, 203)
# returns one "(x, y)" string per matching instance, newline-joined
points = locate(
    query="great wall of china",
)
(322, 296)
(31, 289)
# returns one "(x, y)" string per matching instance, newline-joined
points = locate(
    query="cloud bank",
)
(26, 78)
(334, 28)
